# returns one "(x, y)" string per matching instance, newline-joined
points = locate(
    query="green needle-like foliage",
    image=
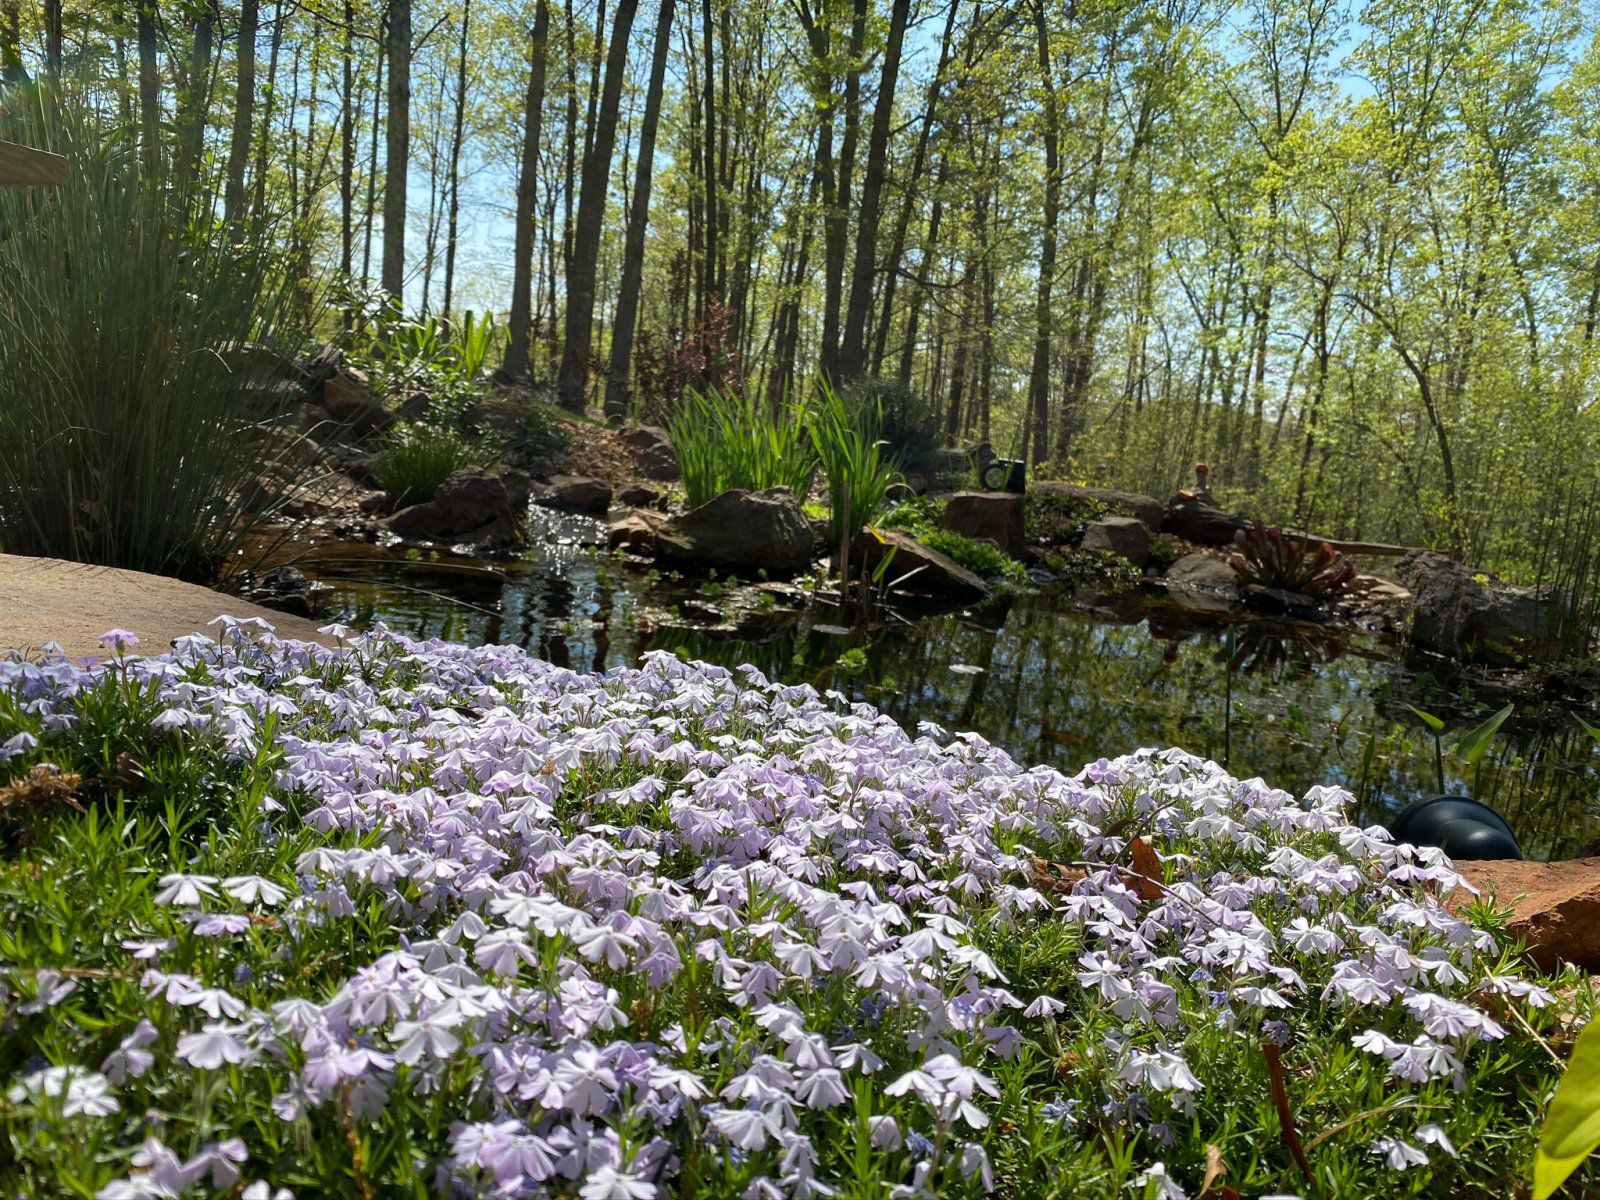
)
(138, 338)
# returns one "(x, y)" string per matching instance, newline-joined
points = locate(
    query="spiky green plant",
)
(418, 458)
(728, 440)
(854, 460)
(139, 340)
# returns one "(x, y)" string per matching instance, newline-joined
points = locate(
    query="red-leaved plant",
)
(1272, 558)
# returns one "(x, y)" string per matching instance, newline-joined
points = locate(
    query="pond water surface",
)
(1047, 676)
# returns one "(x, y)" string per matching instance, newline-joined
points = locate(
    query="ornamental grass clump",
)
(731, 439)
(139, 345)
(407, 918)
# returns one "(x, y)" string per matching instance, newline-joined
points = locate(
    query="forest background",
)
(1349, 256)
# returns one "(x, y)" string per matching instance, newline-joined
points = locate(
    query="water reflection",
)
(1048, 677)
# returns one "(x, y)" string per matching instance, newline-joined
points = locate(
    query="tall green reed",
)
(728, 440)
(854, 460)
(138, 343)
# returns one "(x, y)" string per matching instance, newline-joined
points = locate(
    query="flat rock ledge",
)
(1555, 906)
(51, 600)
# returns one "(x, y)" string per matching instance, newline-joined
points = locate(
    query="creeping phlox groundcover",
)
(410, 919)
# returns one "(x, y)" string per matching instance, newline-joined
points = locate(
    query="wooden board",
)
(21, 166)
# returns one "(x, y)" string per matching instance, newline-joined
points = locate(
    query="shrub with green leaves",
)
(989, 562)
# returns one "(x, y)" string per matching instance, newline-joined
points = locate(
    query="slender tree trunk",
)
(622, 330)
(149, 89)
(347, 156)
(853, 347)
(397, 156)
(570, 195)
(919, 292)
(269, 106)
(1038, 418)
(233, 203)
(836, 218)
(455, 161)
(52, 36)
(370, 208)
(908, 206)
(572, 380)
(196, 102)
(708, 107)
(519, 337)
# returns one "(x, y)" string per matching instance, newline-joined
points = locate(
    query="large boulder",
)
(1555, 906)
(991, 516)
(915, 568)
(348, 397)
(1124, 536)
(1129, 504)
(1468, 615)
(741, 531)
(578, 494)
(471, 501)
(652, 450)
(1194, 520)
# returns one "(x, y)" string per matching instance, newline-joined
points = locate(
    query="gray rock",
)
(915, 568)
(652, 450)
(1202, 583)
(1126, 536)
(634, 532)
(986, 516)
(350, 402)
(1458, 612)
(578, 494)
(471, 501)
(637, 495)
(743, 532)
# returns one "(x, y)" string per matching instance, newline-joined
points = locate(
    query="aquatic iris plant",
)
(411, 918)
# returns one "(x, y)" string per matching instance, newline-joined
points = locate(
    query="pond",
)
(1049, 677)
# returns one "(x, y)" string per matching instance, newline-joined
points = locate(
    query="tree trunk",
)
(515, 364)
(852, 348)
(573, 377)
(347, 155)
(622, 330)
(264, 142)
(370, 208)
(456, 134)
(233, 203)
(192, 138)
(149, 89)
(52, 36)
(1037, 420)
(919, 158)
(836, 215)
(708, 103)
(397, 153)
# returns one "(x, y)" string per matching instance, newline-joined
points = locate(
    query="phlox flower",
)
(1401, 1156)
(81, 1092)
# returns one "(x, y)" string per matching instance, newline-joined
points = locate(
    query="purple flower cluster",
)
(679, 911)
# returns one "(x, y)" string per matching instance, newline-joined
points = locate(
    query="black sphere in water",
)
(1461, 827)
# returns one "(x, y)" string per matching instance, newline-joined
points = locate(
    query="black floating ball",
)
(1461, 827)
